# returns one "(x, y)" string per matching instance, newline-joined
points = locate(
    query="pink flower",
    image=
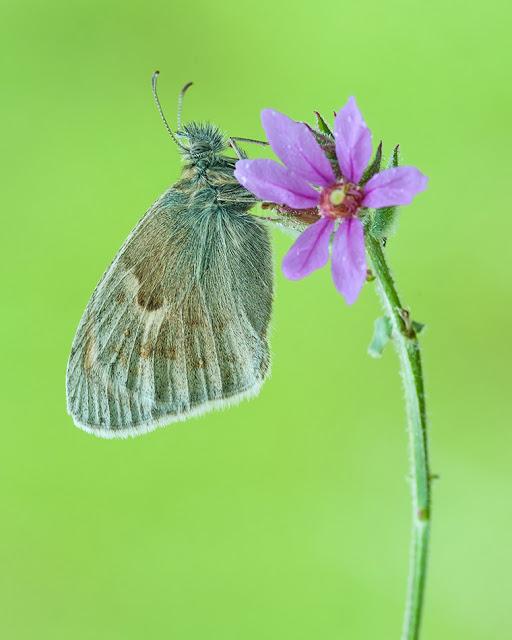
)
(308, 180)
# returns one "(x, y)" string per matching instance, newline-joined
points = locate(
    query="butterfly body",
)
(178, 323)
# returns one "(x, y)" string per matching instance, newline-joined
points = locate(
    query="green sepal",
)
(325, 139)
(395, 157)
(374, 167)
(323, 127)
(382, 332)
(384, 220)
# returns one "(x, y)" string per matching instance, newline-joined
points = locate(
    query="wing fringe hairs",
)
(141, 429)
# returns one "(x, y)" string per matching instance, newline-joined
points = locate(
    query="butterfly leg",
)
(240, 153)
(262, 143)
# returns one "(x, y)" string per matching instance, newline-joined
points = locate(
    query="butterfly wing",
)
(178, 323)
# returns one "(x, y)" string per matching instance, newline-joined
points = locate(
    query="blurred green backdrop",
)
(287, 516)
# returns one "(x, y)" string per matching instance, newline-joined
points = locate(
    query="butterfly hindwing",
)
(178, 324)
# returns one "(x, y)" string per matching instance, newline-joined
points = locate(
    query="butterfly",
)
(178, 324)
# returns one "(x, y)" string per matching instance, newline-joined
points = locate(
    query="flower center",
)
(341, 200)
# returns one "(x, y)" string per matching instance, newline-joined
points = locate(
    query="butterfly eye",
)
(199, 149)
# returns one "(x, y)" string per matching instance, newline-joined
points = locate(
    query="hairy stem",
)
(408, 349)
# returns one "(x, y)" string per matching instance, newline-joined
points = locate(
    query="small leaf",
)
(381, 335)
(323, 127)
(385, 219)
(374, 167)
(418, 326)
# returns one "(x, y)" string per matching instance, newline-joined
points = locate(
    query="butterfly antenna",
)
(161, 112)
(180, 101)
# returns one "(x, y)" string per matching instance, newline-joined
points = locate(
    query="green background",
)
(287, 516)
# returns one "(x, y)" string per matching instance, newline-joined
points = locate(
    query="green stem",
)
(408, 349)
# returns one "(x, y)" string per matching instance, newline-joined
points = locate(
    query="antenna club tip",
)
(185, 88)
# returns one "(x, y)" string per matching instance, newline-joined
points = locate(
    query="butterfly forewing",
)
(178, 323)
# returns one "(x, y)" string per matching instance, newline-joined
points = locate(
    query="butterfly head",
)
(202, 142)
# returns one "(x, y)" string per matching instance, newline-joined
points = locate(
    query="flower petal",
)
(393, 187)
(310, 251)
(353, 141)
(296, 146)
(348, 259)
(269, 180)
